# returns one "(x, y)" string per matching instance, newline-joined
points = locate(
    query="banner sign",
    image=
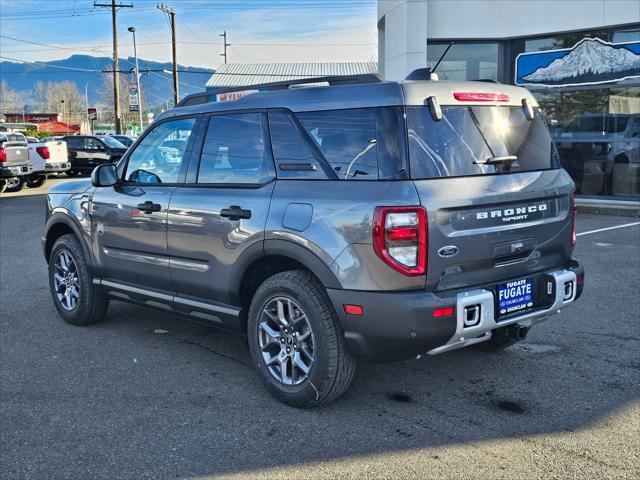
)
(230, 96)
(591, 61)
(133, 98)
(92, 113)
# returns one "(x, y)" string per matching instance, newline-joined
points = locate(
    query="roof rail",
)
(205, 97)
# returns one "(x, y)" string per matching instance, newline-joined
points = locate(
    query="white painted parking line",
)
(608, 228)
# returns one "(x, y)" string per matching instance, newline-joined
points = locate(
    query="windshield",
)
(112, 142)
(126, 141)
(478, 141)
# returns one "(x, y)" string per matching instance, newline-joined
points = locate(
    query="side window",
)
(159, 157)
(75, 142)
(290, 151)
(91, 143)
(347, 139)
(635, 128)
(235, 150)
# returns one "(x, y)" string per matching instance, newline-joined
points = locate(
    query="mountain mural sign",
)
(591, 61)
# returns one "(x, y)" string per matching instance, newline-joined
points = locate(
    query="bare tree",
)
(60, 97)
(106, 96)
(11, 101)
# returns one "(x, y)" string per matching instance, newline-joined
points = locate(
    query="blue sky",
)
(258, 30)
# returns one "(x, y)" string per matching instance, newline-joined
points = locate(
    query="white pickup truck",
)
(14, 161)
(54, 152)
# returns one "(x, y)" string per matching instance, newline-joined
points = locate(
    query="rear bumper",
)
(397, 326)
(15, 171)
(53, 167)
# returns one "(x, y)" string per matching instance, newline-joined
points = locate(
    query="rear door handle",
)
(149, 207)
(234, 212)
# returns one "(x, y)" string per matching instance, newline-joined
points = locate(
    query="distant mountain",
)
(592, 60)
(22, 76)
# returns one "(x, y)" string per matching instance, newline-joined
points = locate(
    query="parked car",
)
(367, 222)
(14, 161)
(85, 152)
(52, 153)
(125, 140)
(600, 150)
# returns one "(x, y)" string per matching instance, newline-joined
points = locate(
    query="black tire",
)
(333, 365)
(71, 173)
(35, 180)
(14, 184)
(91, 303)
(3, 186)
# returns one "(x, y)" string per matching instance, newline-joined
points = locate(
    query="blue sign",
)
(590, 61)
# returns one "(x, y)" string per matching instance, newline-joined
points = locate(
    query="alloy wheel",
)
(286, 341)
(65, 278)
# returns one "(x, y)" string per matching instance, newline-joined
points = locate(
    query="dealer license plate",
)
(515, 296)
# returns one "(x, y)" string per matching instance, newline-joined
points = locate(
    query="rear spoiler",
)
(210, 96)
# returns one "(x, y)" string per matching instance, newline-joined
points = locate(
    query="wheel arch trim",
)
(58, 218)
(279, 248)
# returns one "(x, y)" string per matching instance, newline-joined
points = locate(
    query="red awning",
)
(58, 127)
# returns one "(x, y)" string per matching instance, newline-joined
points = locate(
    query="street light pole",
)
(135, 54)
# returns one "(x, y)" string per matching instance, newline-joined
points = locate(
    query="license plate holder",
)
(515, 296)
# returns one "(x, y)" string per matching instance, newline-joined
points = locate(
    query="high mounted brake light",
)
(480, 97)
(400, 238)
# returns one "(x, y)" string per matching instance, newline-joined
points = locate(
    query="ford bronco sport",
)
(372, 222)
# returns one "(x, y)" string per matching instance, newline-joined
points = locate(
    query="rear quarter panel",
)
(338, 227)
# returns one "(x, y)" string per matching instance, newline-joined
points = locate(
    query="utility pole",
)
(116, 77)
(224, 36)
(135, 54)
(172, 14)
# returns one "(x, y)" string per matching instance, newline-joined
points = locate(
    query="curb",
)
(608, 207)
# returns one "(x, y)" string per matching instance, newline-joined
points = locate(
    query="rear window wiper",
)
(490, 160)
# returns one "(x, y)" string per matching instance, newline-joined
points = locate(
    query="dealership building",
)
(580, 59)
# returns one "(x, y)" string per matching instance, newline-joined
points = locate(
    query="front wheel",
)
(35, 180)
(296, 342)
(74, 295)
(71, 173)
(3, 186)
(14, 184)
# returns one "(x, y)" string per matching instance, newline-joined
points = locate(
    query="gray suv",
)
(331, 224)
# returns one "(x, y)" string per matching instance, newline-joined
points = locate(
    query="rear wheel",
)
(76, 298)
(71, 173)
(3, 186)
(15, 184)
(296, 342)
(35, 180)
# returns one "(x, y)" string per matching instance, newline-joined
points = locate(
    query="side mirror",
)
(104, 175)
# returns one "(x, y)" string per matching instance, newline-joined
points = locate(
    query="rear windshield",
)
(112, 142)
(472, 140)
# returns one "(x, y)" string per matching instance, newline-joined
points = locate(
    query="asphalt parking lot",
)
(149, 395)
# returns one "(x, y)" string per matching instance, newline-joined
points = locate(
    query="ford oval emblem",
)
(448, 251)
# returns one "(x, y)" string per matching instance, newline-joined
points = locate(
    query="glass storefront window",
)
(597, 132)
(465, 61)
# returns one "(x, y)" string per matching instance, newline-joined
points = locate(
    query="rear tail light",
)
(573, 211)
(43, 152)
(400, 238)
(3, 155)
(480, 97)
